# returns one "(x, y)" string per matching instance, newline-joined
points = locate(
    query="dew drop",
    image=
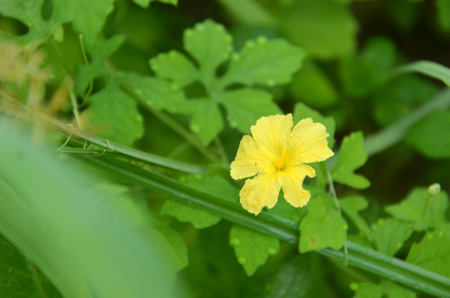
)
(242, 260)
(261, 39)
(271, 251)
(235, 242)
(198, 177)
(195, 128)
(434, 189)
(174, 87)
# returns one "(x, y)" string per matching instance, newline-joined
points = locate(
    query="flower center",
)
(279, 163)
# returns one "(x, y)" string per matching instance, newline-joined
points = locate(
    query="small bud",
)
(434, 189)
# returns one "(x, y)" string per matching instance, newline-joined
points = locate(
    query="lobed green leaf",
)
(351, 156)
(416, 210)
(245, 106)
(323, 226)
(252, 248)
(176, 67)
(262, 61)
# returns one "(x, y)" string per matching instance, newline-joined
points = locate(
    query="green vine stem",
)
(281, 228)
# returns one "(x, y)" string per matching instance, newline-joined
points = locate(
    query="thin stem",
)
(338, 207)
(91, 81)
(395, 133)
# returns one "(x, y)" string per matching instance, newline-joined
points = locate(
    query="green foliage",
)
(429, 135)
(252, 248)
(432, 252)
(291, 280)
(366, 72)
(323, 226)
(333, 36)
(184, 213)
(19, 278)
(116, 114)
(351, 156)
(261, 61)
(351, 207)
(423, 211)
(209, 184)
(311, 86)
(384, 289)
(75, 71)
(390, 234)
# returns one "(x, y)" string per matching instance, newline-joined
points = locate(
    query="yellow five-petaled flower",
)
(277, 156)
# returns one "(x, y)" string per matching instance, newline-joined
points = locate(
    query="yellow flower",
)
(278, 157)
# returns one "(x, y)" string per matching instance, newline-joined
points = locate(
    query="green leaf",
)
(252, 248)
(443, 9)
(28, 12)
(82, 242)
(366, 72)
(302, 111)
(386, 289)
(311, 86)
(19, 278)
(291, 280)
(430, 135)
(416, 210)
(88, 22)
(176, 67)
(351, 207)
(146, 3)
(432, 252)
(428, 68)
(100, 50)
(263, 61)
(206, 121)
(390, 234)
(245, 106)
(351, 157)
(323, 226)
(115, 112)
(333, 36)
(210, 44)
(157, 93)
(184, 213)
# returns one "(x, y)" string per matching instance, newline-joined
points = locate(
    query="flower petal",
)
(308, 143)
(271, 133)
(250, 160)
(291, 181)
(260, 191)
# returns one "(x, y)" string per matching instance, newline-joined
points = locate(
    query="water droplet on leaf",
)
(242, 260)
